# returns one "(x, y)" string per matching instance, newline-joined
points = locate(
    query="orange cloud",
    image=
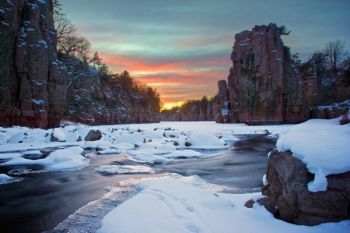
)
(176, 80)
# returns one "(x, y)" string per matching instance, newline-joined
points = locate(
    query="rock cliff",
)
(288, 197)
(264, 84)
(32, 91)
(223, 105)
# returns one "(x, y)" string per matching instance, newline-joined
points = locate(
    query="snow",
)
(38, 102)
(143, 143)
(183, 154)
(204, 140)
(175, 205)
(323, 145)
(68, 159)
(123, 169)
(108, 151)
(59, 134)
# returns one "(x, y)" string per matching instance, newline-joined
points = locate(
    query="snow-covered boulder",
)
(308, 175)
(288, 196)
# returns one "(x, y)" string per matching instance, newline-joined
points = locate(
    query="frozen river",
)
(43, 200)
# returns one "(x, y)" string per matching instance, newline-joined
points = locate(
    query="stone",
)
(249, 204)
(263, 83)
(224, 104)
(345, 119)
(188, 144)
(288, 198)
(33, 83)
(93, 135)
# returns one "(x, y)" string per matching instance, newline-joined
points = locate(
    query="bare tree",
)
(76, 46)
(64, 28)
(334, 52)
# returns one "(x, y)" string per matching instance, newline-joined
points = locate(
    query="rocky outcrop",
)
(264, 84)
(32, 89)
(224, 104)
(288, 197)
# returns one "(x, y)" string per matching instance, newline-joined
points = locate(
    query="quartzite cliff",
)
(267, 86)
(32, 91)
(264, 85)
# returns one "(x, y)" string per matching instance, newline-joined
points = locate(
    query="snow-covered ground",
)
(143, 143)
(176, 204)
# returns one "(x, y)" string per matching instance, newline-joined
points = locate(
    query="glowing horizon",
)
(182, 48)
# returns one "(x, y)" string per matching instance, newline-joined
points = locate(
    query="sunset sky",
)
(183, 47)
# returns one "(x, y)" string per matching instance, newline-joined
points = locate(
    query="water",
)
(42, 200)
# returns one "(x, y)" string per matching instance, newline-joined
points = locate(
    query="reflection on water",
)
(42, 200)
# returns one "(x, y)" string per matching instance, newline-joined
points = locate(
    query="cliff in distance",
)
(32, 91)
(263, 83)
(266, 85)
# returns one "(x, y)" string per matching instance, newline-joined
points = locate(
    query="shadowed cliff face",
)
(32, 90)
(263, 82)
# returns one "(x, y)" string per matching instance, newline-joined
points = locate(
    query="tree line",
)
(94, 94)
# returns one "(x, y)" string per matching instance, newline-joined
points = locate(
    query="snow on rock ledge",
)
(323, 145)
(308, 175)
(288, 197)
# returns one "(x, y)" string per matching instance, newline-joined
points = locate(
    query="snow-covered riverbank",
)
(165, 203)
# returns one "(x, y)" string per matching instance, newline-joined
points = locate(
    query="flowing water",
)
(42, 200)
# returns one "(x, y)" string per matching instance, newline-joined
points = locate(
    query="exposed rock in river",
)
(32, 91)
(288, 197)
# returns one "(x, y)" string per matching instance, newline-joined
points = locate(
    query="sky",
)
(182, 47)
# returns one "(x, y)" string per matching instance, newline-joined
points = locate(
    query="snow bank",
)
(172, 205)
(123, 169)
(323, 145)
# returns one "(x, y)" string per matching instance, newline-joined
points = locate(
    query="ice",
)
(147, 143)
(323, 145)
(66, 159)
(124, 169)
(108, 151)
(183, 154)
(146, 157)
(9, 155)
(204, 140)
(60, 160)
(172, 205)
(5, 179)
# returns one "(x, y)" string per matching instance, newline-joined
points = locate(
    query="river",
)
(42, 200)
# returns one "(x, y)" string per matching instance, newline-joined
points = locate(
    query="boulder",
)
(288, 197)
(345, 119)
(93, 135)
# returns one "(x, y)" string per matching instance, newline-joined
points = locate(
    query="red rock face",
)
(32, 83)
(224, 106)
(263, 83)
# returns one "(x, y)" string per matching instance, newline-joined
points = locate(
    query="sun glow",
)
(170, 105)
